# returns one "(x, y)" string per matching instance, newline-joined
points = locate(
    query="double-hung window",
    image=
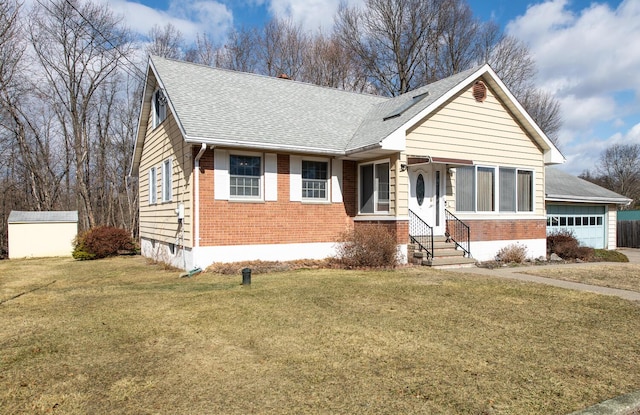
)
(159, 108)
(315, 179)
(244, 176)
(479, 188)
(167, 181)
(153, 186)
(374, 187)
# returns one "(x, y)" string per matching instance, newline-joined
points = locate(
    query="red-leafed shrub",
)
(370, 246)
(564, 244)
(102, 242)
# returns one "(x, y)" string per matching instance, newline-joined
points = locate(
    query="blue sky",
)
(587, 52)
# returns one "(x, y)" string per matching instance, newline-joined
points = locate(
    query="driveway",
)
(516, 274)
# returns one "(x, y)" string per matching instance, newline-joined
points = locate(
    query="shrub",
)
(369, 246)
(515, 253)
(102, 242)
(565, 244)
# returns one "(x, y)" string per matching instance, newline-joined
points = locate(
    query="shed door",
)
(586, 222)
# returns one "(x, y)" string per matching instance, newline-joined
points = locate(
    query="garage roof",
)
(19, 216)
(564, 187)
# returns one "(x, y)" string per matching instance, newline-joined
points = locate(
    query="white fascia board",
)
(166, 94)
(263, 146)
(143, 119)
(396, 141)
(595, 200)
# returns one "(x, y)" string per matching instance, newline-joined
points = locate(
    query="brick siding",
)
(500, 230)
(248, 223)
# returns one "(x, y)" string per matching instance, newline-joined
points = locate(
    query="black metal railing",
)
(421, 234)
(458, 232)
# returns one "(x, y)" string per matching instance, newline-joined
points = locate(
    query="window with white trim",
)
(374, 187)
(244, 176)
(159, 104)
(315, 179)
(153, 186)
(167, 181)
(478, 189)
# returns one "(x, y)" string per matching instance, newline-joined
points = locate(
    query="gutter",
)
(586, 199)
(196, 207)
(263, 146)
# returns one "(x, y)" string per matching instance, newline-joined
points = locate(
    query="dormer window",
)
(159, 103)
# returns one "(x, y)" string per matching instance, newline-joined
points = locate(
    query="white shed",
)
(42, 234)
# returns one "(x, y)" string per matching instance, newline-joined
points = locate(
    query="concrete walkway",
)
(517, 274)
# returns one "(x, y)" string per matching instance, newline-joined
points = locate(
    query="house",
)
(41, 234)
(235, 166)
(582, 207)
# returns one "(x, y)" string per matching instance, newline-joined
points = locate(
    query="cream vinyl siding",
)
(160, 221)
(484, 132)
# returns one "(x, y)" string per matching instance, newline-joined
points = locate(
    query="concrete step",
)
(450, 262)
(450, 251)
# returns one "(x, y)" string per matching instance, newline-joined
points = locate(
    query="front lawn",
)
(613, 275)
(120, 336)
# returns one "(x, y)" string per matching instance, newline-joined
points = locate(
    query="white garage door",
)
(586, 222)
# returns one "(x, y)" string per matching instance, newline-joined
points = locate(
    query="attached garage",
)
(41, 234)
(582, 207)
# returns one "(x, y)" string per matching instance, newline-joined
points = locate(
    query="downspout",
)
(196, 207)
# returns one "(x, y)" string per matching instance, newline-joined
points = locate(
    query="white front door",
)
(426, 195)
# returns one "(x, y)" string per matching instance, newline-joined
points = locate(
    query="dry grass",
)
(119, 336)
(614, 275)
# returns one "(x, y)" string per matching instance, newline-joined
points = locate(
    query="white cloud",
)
(190, 17)
(583, 53)
(312, 15)
(588, 58)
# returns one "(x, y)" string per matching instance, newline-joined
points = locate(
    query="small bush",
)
(609, 256)
(370, 246)
(102, 242)
(565, 244)
(514, 253)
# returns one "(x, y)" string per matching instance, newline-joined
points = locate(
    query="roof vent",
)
(283, 76)
(479, 91)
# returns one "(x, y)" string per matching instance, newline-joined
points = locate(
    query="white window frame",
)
(260, 177)
(376, 199)
(167, 180)
(153, 185)
(159, 112)
(498, 190)
(327, 181)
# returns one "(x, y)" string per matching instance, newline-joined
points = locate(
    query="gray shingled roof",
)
(18, 216)
(214, 104)
(217, 104)
(564, 186)
(374, 128)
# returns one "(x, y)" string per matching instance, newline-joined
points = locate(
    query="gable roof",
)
(19, 216)
(236, 109)
(564, 187)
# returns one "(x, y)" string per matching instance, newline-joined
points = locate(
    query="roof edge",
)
(264, 146)
(585, 199)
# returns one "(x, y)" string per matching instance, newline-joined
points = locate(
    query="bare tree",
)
(204, 51)
(618, 169)
(389, 40)
(166, 41)
(327, 64)
(240, 52)
(282, 48)
(456, 38)
(79, 46)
